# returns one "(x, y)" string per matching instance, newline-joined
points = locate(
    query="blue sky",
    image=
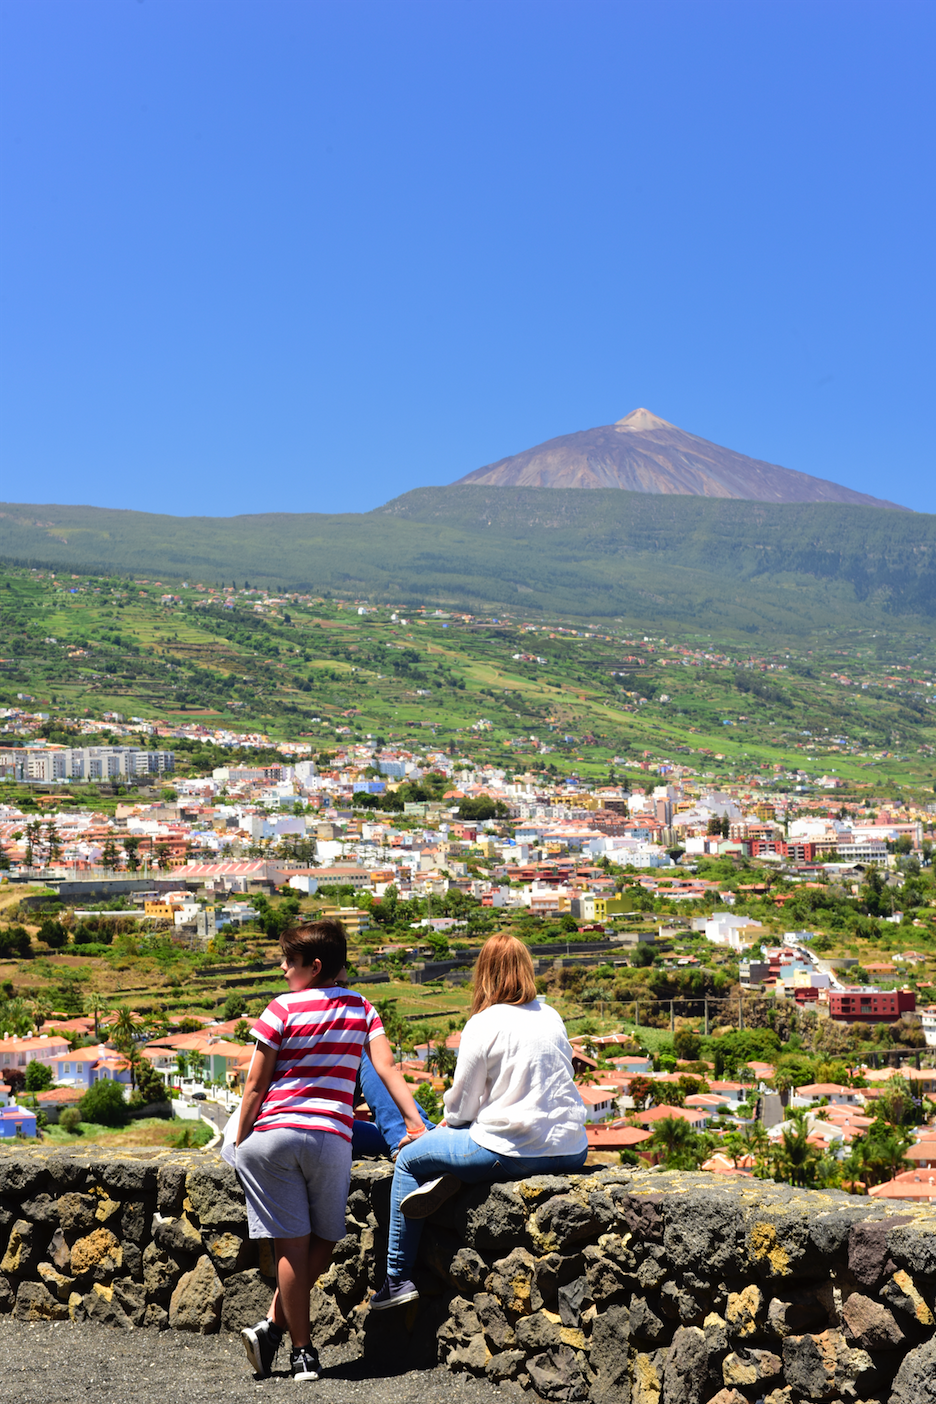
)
(295, 256)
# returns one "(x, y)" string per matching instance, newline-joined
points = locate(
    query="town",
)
(747, 974)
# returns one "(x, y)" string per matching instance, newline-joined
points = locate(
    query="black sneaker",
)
(426, 1199)
(394, 1292)
(304, 1363)
(261, 1343)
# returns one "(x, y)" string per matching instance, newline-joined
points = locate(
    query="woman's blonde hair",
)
(503, 974)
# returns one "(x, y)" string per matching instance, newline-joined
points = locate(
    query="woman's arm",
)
(257, 1085)
(465, 1097)
(381, 1055)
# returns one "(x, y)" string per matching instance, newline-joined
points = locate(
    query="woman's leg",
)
(442, 1151)
(388, 1123)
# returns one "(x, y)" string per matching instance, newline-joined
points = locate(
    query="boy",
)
(294, 1135)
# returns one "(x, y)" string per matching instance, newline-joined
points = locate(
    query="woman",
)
(513, 1109)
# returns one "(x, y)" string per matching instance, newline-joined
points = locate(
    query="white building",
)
(726, 929)
(96, 763)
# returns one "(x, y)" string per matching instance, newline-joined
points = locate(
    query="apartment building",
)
(96, 763)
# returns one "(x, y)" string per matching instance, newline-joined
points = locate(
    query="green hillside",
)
(501, 686)
(666, 560)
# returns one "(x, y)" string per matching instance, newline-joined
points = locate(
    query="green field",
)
(859, 701)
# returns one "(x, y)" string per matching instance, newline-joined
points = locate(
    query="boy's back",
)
(319, 1037)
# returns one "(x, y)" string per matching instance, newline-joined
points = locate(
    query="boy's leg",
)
(388, 1119)
(299, 1264)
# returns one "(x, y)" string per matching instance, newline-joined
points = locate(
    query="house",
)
(15, 1120)
(598, 1101)
(918, 1185)
(812, 1092)
(923, 1153)
(619, 1136)
(722, 1164)
(19, 1052)
(81, 1067)
(698, 1120)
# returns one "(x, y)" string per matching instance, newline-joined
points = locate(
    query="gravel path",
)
(58, 1363)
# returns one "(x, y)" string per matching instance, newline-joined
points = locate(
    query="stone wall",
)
(616, 1287)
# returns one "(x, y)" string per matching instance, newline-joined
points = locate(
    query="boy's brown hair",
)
(323, 940)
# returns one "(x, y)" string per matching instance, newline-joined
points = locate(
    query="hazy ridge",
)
(601, 552)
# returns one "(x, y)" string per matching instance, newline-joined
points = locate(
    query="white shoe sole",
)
(252, 1346)
(427, 1199)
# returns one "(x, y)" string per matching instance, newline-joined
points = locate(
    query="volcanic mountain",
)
(643, 453)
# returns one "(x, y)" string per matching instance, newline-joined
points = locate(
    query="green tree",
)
(104, 1103)
(131, 846)
(53, 933)
(895, 1104)
(53, 842)
(95, 1005)
(15, 944)
(234, 1006)
(687, 1045)
(428, 1099)
(794, 1159)
(150, 1086)
(677, 1144)
(70, 1120)
(38, 1076)
(125, 1030)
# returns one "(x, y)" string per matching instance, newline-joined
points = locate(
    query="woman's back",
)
(513, 1083)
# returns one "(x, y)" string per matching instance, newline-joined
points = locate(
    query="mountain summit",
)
(643, 453)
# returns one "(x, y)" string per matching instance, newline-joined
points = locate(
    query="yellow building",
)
(165, 910)
(353, 919)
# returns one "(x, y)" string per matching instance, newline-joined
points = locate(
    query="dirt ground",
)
(58, 1363)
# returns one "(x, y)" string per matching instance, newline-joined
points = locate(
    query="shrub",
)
(234, 1006)
(15, 943)
(104, 1103)
(70, 1120)
(54, 934)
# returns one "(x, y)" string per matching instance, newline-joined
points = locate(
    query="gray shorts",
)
(295, 1182)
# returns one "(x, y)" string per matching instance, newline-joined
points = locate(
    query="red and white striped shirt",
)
(319, 1037)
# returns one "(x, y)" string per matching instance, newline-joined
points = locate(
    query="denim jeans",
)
(447, 1151)
(386, 1131)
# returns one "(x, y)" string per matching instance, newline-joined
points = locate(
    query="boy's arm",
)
(381, 1055)
(255, 1089)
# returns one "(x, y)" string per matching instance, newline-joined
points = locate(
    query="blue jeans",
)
(386, 1131)
(447, 1151)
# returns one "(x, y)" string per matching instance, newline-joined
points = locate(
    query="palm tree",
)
(794, 1159)
(886, 1156)
(855, 1166)
(677, 1144)
(125, 1029)
(41, 1009)
(95, 1005)
(182, 1064)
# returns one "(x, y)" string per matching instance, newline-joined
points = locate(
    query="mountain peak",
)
(644, 453)
(642, 420)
